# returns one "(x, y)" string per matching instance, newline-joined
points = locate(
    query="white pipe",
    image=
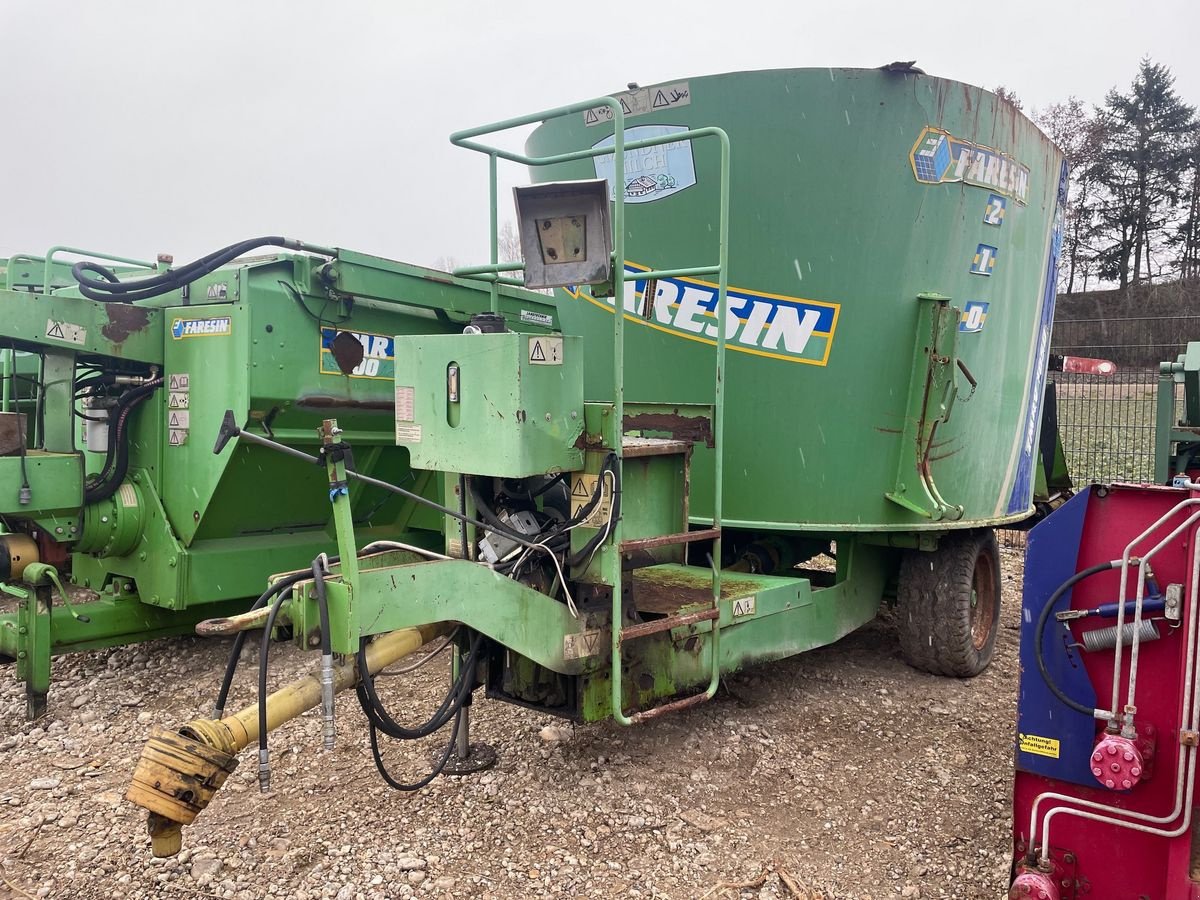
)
(1143, 571)
(1116, 684)
(1192, 695)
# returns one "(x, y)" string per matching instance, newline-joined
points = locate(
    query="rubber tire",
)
(934, 612)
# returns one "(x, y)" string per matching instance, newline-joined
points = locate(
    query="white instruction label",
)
(179, 382)
(178, 418)
(177, 437)
(408, 433)
(404, 403)
(743, 606)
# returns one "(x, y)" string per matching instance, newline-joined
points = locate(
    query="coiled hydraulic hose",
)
(1041, 627)
(379, 720)
(108, 288)
(116, 464)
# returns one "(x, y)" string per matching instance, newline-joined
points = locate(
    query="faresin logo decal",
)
(771, 325)
(220, 326)
(939, 157)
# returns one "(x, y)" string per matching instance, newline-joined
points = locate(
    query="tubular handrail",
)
(58, 248)
(611, 564)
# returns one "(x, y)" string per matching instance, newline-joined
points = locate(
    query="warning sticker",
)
(65, 331)
(583, 644)
(180, 381)
(404, 403)
(744, 606)
(641, 101)
(177, 437)
(178, 400)
(1040, 746)
(546, 351)
(583, 486)
(178, 418)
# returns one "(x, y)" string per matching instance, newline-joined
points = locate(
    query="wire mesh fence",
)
(1107, 422)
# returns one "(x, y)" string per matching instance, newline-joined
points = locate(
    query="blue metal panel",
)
(1063, 736)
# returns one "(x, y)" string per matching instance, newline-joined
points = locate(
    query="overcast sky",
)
(140, 127)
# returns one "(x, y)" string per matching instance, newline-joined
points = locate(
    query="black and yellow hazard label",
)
(1040, 746)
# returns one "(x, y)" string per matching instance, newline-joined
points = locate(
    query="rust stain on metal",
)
(123, 320)
(324, 401)
(659, 625)
(686, 537)
(695, 429)
(675, 706)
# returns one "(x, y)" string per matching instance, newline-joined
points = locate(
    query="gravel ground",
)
(840, 773)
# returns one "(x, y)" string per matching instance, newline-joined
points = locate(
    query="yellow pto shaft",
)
(179, 772)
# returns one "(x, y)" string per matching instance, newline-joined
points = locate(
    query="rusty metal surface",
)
(674, 706)
(667, 589)
(324, 401)
(633, 447)
(12, 433)
(692, 429)
(123, 320)
(633, 632)
(684, 537)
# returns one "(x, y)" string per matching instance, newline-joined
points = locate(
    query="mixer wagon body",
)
(853, 193)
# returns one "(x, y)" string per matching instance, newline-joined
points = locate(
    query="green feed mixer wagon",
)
(793, 369)
(120, 523)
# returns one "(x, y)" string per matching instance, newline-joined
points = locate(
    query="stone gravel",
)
(840, 773)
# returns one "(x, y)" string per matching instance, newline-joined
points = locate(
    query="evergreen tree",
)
(1148, 135)
(1079, 135)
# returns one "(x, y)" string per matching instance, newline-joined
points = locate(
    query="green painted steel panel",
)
(518, 408)
(853, 191)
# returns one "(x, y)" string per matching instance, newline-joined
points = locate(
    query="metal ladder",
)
(495, 273)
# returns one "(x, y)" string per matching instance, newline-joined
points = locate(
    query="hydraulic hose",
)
(379, 720)
(1041, 627)
(116, 464)
(108, 288)
(240, 641)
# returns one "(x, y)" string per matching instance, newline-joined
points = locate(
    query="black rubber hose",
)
(375, 711)
(318, 574)
(116, 466)
(240, 641)
(438, 767)
(264, 652)
(1041, 627)
(108, 288)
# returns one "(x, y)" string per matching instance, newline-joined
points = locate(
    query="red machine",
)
(1109, 711)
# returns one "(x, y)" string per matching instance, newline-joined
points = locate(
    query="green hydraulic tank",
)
(893, 246)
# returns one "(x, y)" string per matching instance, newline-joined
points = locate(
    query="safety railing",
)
(497, 273)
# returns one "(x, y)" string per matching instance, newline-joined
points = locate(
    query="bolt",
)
(314, 641)
(58, 530)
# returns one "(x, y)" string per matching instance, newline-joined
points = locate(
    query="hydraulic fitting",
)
(1117, 762)
(1033, 885)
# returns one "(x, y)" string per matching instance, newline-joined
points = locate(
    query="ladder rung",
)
(683, 537)
(673, 706)
(647, 628)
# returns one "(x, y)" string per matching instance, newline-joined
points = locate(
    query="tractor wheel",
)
(948, 604)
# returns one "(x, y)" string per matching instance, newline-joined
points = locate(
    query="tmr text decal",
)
(378, 354)
(771, 325)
